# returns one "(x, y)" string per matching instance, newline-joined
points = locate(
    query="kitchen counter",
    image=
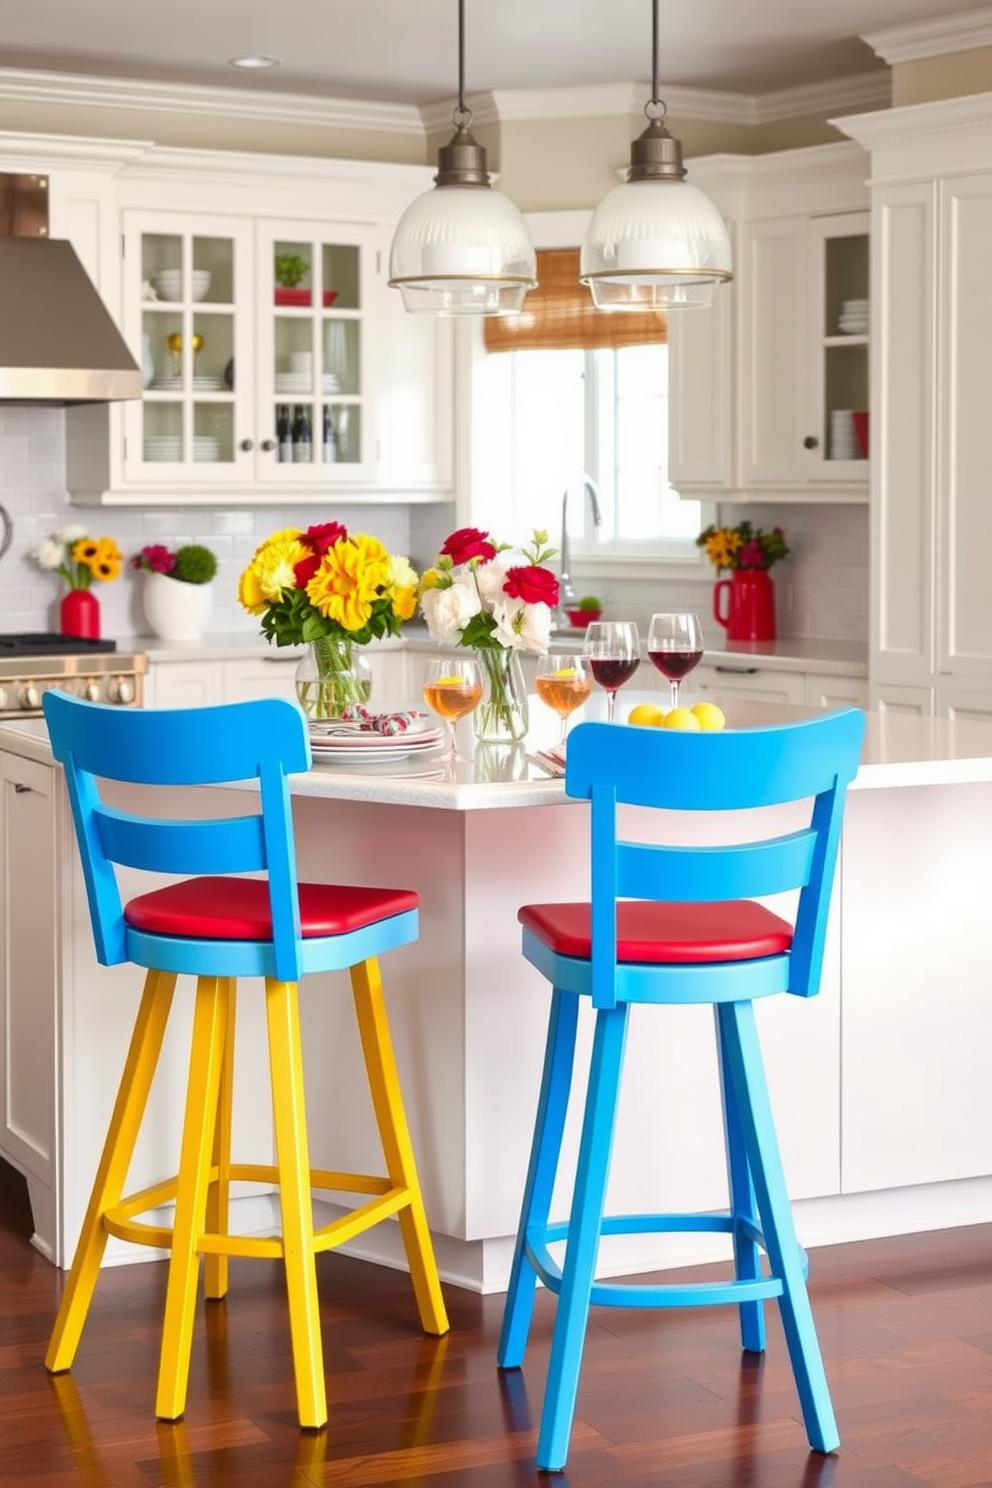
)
(826, 657)
(880, 1084)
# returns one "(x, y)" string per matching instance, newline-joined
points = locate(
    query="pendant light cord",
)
(656, 107)
(462, 116)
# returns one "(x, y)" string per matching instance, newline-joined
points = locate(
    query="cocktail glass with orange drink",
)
(563, 683)
(452, 690)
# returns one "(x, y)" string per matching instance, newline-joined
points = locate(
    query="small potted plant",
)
(588, 609)
(178, 589)
(290, 271)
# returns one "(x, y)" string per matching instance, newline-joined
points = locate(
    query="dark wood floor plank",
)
(665, 1400)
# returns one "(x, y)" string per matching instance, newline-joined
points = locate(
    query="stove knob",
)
(121, 690)
(30, 699)
(91, 691)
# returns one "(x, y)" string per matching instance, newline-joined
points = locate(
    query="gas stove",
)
(94, 669)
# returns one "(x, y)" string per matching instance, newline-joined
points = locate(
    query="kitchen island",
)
(880, 1085)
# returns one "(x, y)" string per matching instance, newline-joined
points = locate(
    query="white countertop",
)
(900, 751)
(802, 653)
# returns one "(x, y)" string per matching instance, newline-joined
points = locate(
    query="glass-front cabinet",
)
(256, 352)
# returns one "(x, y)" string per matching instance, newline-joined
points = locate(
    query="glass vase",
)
(334, 674)
(502, 716)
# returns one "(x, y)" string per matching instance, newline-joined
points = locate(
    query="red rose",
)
(320, 538)
(304, 571)
(532, 584)
(466, 543)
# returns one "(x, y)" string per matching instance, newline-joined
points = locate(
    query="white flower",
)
(491, 576)
(448, 611)
(524, 627)
(69, 535)
(50, 553)
(402, 574)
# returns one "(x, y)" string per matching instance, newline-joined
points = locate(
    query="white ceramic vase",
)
(176, 611)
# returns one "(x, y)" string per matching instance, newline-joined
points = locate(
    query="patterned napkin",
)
(357, 719)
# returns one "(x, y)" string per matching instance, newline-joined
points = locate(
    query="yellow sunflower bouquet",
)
(332, 590)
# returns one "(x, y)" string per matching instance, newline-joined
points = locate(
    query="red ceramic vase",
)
(744, 605)
(79, 614)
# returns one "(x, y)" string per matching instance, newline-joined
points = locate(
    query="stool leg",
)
(216, 1267)
(206, 1062)
(549, 1128)
(118, 1148)
(747, 1252)
(582, 1245)
(743, 1057)
(394, 1133)
(296, 1205)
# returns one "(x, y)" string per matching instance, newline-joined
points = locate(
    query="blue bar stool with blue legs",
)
(676, 924)
(235, 910)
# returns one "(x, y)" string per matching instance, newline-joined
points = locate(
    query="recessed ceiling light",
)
(249, 62)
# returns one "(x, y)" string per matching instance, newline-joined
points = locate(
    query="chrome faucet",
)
(566, 593)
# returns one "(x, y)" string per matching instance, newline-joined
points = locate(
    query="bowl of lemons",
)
(701, 718)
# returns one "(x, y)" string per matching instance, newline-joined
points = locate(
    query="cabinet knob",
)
(268, 445)
(810, 442)
(247, 446)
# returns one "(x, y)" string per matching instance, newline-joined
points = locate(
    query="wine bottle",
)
(330, 437)
(284, 435)
(302, 435)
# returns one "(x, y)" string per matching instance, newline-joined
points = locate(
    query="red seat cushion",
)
(666, 933)
(238, 908)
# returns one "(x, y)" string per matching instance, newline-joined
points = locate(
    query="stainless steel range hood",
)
(58, 343)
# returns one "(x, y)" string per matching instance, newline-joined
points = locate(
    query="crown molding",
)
(933, 38)
(920, 121)
(18, 86)
(861, 91)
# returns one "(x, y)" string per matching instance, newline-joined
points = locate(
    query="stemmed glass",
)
(452, 690)
(613, 651)
(563, 683)
(675, 646)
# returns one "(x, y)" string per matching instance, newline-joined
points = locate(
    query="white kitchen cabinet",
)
(237, 358)
(829, 691)
(931, 519)
(802, 375)
(713, 680)
(760, 386)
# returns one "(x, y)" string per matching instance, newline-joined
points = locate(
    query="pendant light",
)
(462, 248)
(655, 243)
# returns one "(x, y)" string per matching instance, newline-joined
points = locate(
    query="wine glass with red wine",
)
(675, 646)
(613, 650)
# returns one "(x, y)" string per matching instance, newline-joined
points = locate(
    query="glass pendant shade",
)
(655, 244)
(462, 250)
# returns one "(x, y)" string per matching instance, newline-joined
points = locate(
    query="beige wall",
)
(952, 76)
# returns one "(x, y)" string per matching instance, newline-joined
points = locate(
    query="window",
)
(586, 397)
(563, 415)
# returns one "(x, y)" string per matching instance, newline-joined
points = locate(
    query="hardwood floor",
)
(665, 1401)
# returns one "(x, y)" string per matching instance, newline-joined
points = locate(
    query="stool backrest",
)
(259, 741)
(728, 771)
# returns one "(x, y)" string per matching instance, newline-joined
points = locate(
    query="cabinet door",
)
(260, 677)
(836, 692)
(29, 974)
(316, 352)
(184, 684)
(188, 319)
(757, 684)
(700, 373)
(805, 354)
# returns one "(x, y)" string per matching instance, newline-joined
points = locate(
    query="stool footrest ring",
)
(659, 1294)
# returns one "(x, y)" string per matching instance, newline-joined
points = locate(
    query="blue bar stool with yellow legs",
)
(680, 924)
(219, 927)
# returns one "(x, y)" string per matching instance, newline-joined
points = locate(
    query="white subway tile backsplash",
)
(821, 589)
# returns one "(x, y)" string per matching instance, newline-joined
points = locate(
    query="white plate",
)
(403, 748)
(367, 744)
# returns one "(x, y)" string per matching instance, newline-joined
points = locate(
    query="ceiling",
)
(405, 51)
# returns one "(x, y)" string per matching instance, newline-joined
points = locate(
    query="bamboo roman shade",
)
(559, 315)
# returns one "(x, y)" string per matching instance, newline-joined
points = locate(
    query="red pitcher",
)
(744, 605)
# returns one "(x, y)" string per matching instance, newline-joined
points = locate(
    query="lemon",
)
(647, 714)
(682, 718)
(450, 682)
(709, 715)
(565, 672)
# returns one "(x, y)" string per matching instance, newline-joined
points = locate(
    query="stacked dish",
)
(198, 384)
(299, 383)
(168, 284)
(843, 440)
(335, 741)
(854, 318)
(165, 447)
